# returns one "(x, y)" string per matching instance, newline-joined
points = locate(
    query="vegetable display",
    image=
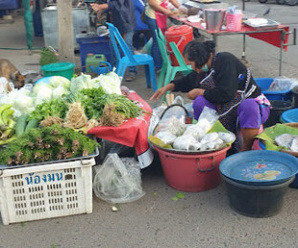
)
(48, 121)
(47, 144)
(6, 123)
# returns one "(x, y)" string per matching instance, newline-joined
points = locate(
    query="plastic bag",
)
(282, 83)
(186, 142)
(207, 119)
(118, 180)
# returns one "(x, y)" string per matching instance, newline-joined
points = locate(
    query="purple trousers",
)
(250, 113)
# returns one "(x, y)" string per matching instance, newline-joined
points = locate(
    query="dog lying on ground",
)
(11, 73)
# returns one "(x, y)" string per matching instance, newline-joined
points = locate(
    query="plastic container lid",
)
(290, 115)
(259, 167)
(178, 30)
(59, 66)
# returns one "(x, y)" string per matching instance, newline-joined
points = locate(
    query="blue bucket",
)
(265, 83)
(289, 116)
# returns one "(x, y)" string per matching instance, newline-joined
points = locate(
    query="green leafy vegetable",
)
(54, 108)
(47, 144)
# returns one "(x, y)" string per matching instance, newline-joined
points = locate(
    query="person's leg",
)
(154, 50)
(132, 69)
(198, 105)
(251, 116)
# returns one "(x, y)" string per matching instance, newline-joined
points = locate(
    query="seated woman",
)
(221, 82)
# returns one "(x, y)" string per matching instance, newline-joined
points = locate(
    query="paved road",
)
(199, 220)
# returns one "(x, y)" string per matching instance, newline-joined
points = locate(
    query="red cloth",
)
(132, 133)
(273, 37)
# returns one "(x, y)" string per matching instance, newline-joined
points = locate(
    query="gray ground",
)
(202, 219)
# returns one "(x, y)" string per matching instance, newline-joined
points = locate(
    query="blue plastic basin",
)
(265, 83)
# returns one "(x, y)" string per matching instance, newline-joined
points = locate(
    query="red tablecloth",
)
(273, 37)
(132, 132)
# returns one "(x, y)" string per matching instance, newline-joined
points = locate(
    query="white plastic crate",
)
(46, 191)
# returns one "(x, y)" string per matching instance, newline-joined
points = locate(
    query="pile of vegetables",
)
(44, 122)
(47, 144)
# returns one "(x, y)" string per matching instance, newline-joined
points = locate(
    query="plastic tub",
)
(64, 69)
(278, 107)
(265, 83)
(289, 116)
(256, 201)
(192, 173)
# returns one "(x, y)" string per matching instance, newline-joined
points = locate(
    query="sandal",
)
(131, 76)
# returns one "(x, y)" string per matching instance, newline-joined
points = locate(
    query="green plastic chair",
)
(168, 71)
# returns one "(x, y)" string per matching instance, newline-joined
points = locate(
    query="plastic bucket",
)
(233, 21)
(214, 19)
(278, 107)
(192, 173)
(254, 200)
(265, 83)
(64, 69)
(181, 35)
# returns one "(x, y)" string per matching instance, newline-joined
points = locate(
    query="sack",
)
(118, 180)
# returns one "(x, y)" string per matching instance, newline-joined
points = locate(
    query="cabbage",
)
(21, 101)
(56, 81)
(59, 91)
(81, 82)
(41, 86)
(43, 95)
(110, 83)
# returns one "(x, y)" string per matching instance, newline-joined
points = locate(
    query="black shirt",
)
(230, 75)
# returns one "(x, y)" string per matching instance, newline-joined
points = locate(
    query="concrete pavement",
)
(199, 220)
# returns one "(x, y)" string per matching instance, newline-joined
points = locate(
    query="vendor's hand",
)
(182, 9)
(194, 93)
(158, 94)
(96, 6)
(172, 12)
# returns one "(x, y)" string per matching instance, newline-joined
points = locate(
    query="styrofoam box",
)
(46, 191)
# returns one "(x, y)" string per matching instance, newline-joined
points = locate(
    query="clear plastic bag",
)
(118, 180)
(282, 83)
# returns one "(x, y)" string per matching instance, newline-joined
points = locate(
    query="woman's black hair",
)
(199, 52)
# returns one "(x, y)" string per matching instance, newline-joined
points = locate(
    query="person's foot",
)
(131, 76)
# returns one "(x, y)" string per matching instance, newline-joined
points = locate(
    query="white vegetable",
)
(56, 81)
(110, 83)
(81, 82)
(59, 91)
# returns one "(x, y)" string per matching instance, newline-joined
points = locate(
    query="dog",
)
(11, 73)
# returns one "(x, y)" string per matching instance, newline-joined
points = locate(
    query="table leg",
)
(243, 47)
(280, 55)
(214, 37)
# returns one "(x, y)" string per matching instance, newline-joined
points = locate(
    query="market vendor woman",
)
(221, 82)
